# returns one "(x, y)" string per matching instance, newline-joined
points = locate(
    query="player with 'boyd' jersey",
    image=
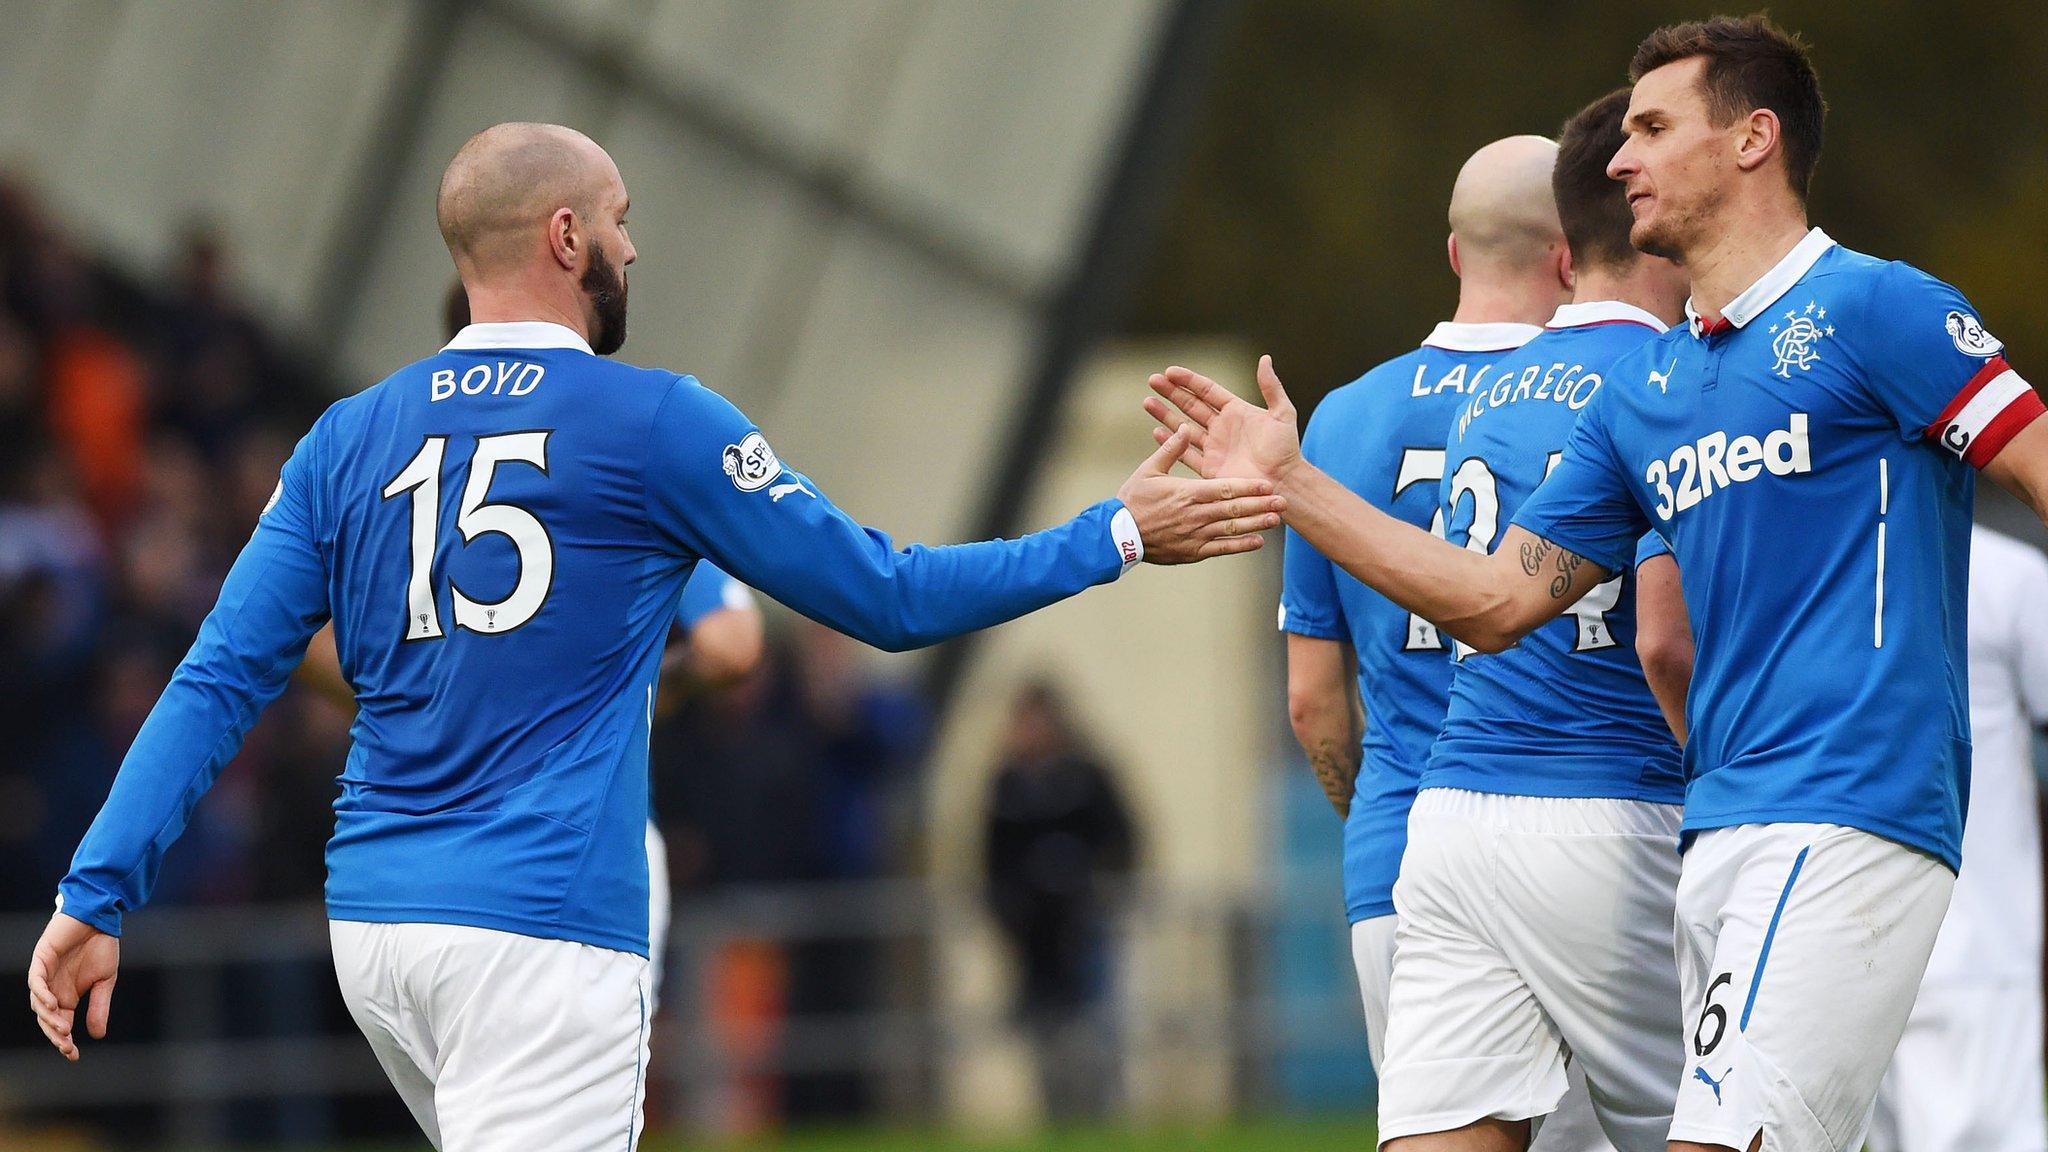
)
(1535, 900)
(501, 534)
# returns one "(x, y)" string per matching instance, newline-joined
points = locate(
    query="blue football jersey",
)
(502, 533)
(1382, 436)
(1809, 456)
(709, 590)
(1565, 712)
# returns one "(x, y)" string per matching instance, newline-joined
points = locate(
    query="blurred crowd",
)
(141, 430)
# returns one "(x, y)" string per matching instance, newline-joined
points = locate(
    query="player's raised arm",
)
(1487, 601)
(273, 600)
(718, 491)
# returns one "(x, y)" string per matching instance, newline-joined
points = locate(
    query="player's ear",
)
(1567, 272)
(1758, 141)
(1451, 246)
(565, 237)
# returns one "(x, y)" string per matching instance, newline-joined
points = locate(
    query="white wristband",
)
(1123, 531)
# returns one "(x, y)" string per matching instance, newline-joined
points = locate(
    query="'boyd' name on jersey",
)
(500, 378)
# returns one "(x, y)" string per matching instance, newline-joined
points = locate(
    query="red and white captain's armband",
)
(1989, 411)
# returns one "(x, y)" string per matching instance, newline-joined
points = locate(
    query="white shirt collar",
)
(1499, 337)
(1578, 315)
(1771, 285)
(519, 334)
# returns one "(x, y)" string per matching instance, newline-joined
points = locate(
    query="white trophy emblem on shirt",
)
(1796, 342)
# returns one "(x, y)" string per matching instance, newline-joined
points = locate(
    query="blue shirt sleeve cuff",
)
(80, 904)
(1295, 625)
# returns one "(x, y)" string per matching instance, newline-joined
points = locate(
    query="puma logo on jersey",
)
(1696, 471)
(776, 493)
(1663, 379)
(1701, 1074)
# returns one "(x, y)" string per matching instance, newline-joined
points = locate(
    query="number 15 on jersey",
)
(474, 517)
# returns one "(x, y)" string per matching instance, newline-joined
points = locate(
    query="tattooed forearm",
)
(1336, 767)
(1533, 552)
(1568, 563)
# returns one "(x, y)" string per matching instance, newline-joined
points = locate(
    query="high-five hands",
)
(1227, 436)
(72, 959)
(1182, 520)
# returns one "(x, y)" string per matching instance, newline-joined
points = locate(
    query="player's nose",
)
(1623, 164)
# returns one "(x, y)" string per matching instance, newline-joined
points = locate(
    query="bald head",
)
(1503, 212)
(507, 183)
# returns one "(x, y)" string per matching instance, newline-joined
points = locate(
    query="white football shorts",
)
(1372, 954)
(1572, 1128)
(1535, 933)
(1967, 1076)
(1800, 950)
(499, 1042)
(658, 897)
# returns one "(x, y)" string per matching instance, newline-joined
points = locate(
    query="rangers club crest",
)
(751, 463)
(1970, 337)
(1796, 341)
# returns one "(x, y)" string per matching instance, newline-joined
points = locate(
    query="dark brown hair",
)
(1592, 207)
(1751, 63)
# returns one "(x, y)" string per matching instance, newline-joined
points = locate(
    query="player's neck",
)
(491, 305)
(1743, 250)
(1639, 283)
(1505, 303)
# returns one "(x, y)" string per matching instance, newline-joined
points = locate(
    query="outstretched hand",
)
(73, 959)
(1227, 436)
(1182, 520)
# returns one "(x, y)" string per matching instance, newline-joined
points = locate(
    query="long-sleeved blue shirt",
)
(501, 534)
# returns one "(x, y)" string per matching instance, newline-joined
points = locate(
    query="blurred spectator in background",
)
(1057, 830)
(862, 737)
(141, 431)
(799, 773)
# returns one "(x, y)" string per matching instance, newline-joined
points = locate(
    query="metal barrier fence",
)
(215, 969)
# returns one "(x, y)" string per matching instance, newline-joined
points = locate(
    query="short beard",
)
(1657, 242)
(605, 286)
(1683, 227)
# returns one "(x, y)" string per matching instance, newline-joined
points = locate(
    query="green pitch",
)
(1353, 1134)
(1279, 1135)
